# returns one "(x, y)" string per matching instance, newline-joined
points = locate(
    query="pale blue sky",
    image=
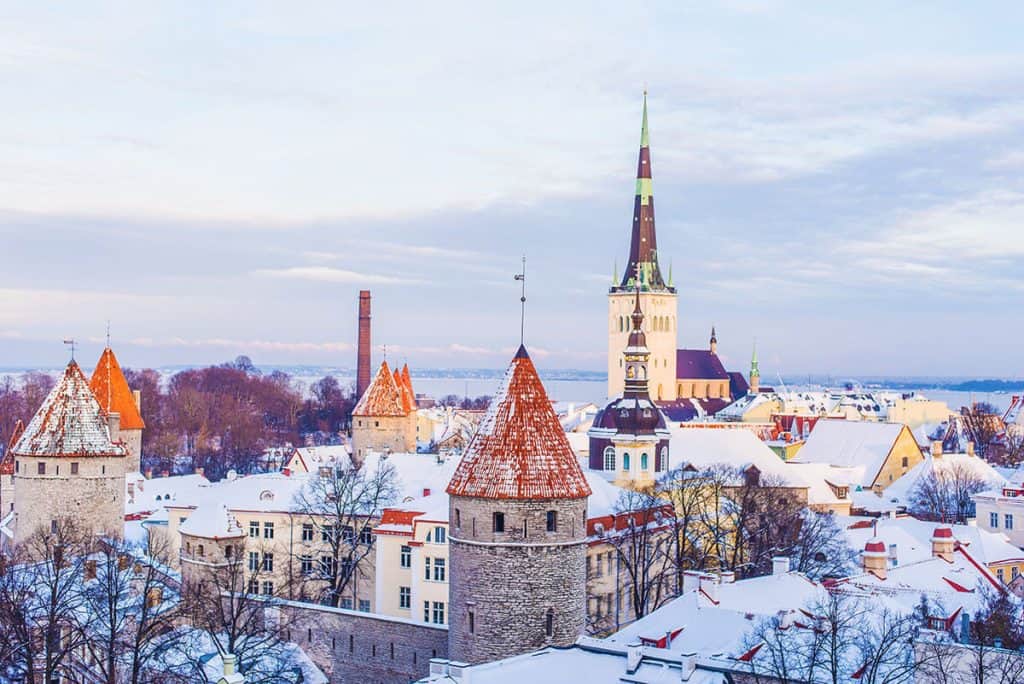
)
(842, 183)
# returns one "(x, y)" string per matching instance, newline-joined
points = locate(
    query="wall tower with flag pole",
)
(658, 298)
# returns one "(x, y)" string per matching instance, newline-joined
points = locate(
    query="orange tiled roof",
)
(112, 391)
(69, 423)
(383, 397)
(408, 383)
(520, 450)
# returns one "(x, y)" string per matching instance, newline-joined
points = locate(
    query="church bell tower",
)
(658, 298)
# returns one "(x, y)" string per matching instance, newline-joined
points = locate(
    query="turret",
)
(755, 373)
(713, 344)
(518, 510)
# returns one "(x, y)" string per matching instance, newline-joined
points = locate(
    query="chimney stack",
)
(937, 449)
(970, 448)
(363, 353)
(943, 543)
(780, 565)
(876, 558)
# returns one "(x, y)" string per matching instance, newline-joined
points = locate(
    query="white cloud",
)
(332, 275)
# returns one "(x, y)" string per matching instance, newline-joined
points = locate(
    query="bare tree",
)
(642, 539)
(945, 494)
(338, 506)
(820, 549)
(683, 489)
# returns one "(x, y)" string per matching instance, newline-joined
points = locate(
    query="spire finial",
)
(644, 137)
(108, 333)
(72, 345)
(385, 352)
(521, 277)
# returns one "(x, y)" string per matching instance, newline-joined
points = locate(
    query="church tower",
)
(755, 373)
(517, 529)
(658, 298)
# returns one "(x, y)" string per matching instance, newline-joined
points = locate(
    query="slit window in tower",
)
(549, 623)
(552, 521)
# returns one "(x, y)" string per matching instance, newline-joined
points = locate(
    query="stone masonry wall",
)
(379, 433)
(94, 497)
(360, 648)
(508, 581)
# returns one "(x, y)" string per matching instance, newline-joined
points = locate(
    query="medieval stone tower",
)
(658, 298)
(517, 516)
(385, 417)
(67, 466)
(111, 389)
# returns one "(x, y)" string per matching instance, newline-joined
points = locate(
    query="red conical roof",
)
(7, 463)
(112, 391)
(519, 450)
(382, 397)
(407, 379)
(404, 391)
(69, 423)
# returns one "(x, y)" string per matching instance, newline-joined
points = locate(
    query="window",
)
(610, 557)
(201, 551)
(254, 528)
(40, 468)
(1014, 572)
(439, 535)
(348, 534)
(999, 574)
(549, 623)
(1008, 521)
(327, 533)
(74, 467)
(366, 535)
(346, 603)
(438, 613)
(643, 461)
(663, 466)
(328, 566)
(254, 561)
(609, 458)
(625, 461)
(188, 548)
(307, 532)
(589, 567)
(267, 588)
(364, 605)
(268, 562)
(306, 565)
(229, 551)
(268, 530)
(404, 597)
(458, 518)
(439, 569)
(426, 611)
(499, 522)
(993, 520)
(426, 568)
(552, 521)
(472, 623)
(906, 462)
(254, 586)
(406, 557)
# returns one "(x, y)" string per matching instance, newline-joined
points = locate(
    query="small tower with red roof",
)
(385, 417)
(121, 405)
(67, 465)
(517, 521)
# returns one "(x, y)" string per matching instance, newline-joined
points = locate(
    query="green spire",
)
(670, 284)
(615, 273)
(754, 371)
(644, 139)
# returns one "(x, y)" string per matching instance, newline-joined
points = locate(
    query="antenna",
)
(521, 277)
(108, 333)
(72, 345)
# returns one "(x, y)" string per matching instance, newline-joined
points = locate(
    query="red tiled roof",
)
(519, 450)
(382, 397)
(7, 463)
(408, 403)
(112, 391)
(699, 364)
(407, 379)
(69, 423)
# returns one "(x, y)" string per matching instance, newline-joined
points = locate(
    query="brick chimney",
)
(875, 558)
(363, 352)
(943, 543)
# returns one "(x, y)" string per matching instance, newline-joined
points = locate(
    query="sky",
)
(841, 182)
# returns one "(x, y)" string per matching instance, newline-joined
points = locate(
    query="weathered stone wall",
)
(504, 583)
(359, 648)
(379, 433)
(93, 498)
(133, 441)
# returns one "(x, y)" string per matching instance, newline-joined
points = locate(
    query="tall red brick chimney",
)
(363, 353)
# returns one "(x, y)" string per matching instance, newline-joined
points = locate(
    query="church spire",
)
(713, 345)
(755, 372)
(643, 246)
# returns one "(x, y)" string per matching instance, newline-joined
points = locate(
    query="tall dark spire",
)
(643, 245)
(636, 354)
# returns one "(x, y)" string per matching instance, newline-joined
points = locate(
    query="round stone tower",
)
(517, 520)
(67, 465)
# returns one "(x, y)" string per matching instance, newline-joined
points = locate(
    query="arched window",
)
(625, 461)
(609, 458)
(549, 623)
(663, 465)
(643, 461)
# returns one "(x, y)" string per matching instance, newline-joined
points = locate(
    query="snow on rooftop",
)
(947, 466)
(851, 443)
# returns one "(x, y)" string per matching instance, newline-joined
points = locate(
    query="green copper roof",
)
(644, 139)
(754, 371)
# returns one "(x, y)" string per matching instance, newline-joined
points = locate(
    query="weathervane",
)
(108, 333)
(71, 345)
(521, 277)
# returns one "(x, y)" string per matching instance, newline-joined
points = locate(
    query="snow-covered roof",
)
(147, 496)
(520, 450)
(70, 422)
(212, 520)
(946, 466)
(383, 397)
(851, 443)
(589, 660)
